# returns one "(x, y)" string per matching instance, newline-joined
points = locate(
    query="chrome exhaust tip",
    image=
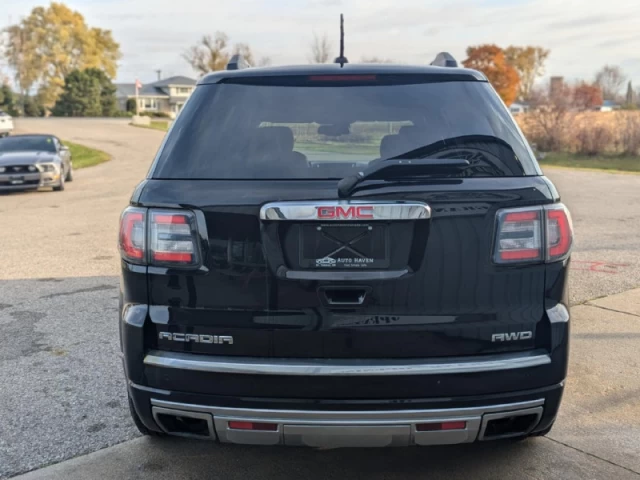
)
(516, 423)
(186, 424)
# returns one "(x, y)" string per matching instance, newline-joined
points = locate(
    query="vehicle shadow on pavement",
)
(175, 458)
(243, 462)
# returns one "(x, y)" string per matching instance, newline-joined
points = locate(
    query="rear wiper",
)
(401, 168)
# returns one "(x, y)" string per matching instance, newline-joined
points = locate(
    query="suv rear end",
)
(428, 306)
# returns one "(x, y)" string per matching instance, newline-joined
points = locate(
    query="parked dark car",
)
(345, 255)
(28, 162)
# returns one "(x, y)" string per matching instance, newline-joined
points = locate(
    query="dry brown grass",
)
(589, 133)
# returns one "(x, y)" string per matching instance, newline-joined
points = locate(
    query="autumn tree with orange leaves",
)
(586, 96)
(491, 60)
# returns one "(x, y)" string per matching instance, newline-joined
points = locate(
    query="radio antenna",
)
(341, 59)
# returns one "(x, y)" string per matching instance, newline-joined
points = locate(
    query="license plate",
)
(16, 180)
(344, 246)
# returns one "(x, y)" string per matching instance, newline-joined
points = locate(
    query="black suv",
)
(345, 255)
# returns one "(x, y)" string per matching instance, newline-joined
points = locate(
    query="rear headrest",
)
(277, 138)
(408, 130)
(390, 146)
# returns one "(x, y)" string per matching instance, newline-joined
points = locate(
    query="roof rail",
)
(444, 59)
(237, 62)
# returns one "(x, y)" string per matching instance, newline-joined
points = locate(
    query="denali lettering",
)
(511, 336)
(189, 337)
(329, 212)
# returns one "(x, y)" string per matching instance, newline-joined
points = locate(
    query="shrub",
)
(32, 107)
(551, 119)
(131, 105)
(155, 114)
(593, 139)
(628, 126)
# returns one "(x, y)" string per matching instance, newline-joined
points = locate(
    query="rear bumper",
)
(302, 395)
(300, 425)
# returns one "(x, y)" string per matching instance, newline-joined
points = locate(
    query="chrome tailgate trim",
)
(344, 367)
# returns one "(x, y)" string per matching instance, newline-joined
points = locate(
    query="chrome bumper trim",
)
(343, 367)
(346, 428)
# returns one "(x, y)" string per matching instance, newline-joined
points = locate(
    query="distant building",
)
(607, 106)
(166, 95)
(518, 108)
(556, 86)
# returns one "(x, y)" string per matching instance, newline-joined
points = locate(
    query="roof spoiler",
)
(444, 59)
(237, 62)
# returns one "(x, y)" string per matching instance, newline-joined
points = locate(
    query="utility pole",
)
(138, 87)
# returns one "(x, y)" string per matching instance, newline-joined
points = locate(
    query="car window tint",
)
(265, 131)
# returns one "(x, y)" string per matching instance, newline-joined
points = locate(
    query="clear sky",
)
(583, 35)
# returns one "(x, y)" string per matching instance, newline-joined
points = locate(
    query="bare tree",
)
(264, 61)
(246, 52)
(209, 54)
(320, 49)
(213, 53)
(610, 79)
(375, 59)
(550, 119)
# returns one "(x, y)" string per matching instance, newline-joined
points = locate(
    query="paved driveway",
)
(63, 391)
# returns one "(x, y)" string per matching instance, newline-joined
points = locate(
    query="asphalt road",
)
(63, 391)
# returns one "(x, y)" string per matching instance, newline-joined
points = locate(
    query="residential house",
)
(607, 106)
(166, 95)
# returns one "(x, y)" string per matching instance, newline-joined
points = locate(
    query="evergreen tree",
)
(8, 100)
(630, 96)
(87, 93)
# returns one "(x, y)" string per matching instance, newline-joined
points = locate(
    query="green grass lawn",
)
(156, 125)
(338, 147)
(83, 156)
(601, 162)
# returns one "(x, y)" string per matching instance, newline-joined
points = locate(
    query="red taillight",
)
(559, 232)
(532, 235)
(171, 239)
(266, 427)
(519, 237)
(132, 235)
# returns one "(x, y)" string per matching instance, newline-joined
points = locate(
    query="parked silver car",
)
(28, 162)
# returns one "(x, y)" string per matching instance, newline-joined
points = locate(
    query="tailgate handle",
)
(345, 295)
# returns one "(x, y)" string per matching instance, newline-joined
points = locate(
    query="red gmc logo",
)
(337, 213)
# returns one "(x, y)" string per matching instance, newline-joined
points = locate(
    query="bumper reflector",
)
(268, 427)
(432, 427)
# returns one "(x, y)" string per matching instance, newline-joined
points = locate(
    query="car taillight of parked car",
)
(159, 237)
(533, 235)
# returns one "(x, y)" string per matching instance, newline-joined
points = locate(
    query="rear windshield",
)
(240, 131)
(22, 144)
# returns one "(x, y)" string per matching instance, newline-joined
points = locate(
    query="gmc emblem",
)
(346, 213)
